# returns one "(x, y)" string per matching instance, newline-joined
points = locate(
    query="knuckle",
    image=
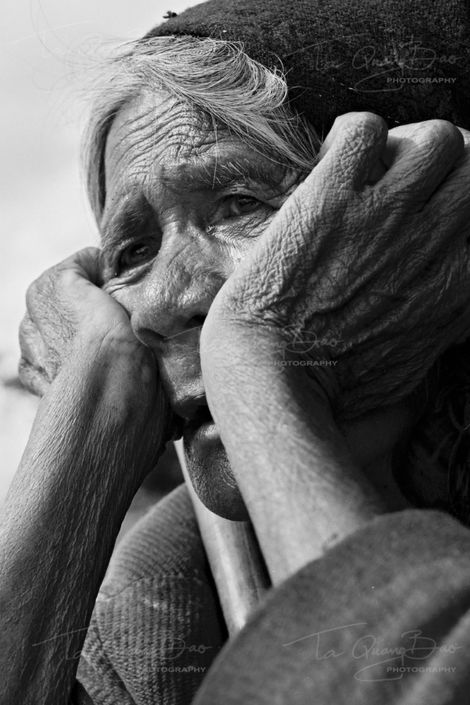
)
(439, 132)
(40, 288)
(24, 367)
(360, 141)
(22, 377)
(90, 251)
(25, 374)
(27, 329)
(32, 379)
(23, 335)
(359, 117)
(465, 136)
(31, 294)
(84, 258)
(444, 127)
(364, 125)
(24, 325)
(64, 277)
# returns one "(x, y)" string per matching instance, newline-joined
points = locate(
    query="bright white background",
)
(45, 49)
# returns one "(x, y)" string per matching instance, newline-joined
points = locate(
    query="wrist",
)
(242, 350)
(292, 465)
(113, 381)
(116, 361)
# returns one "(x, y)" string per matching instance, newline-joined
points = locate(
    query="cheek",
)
(123, 293)
(178, 277)
(240, 245)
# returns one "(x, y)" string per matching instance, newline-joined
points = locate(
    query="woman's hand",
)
(69, 316)
(364, 272)
(63, 303)
(100, 428)
(365, 266)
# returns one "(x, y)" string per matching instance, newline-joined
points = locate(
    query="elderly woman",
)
(281, 302)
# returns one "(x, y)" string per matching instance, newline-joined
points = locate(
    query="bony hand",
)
(364, 270)
(69, 317)
(62, 302)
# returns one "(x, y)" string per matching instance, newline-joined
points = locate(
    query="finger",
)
(452, 199)
(86, 264)
(33, 349)
(31, 379)
(352, 150)
(420, 157)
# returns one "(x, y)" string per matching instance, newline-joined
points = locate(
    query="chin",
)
(211, 473)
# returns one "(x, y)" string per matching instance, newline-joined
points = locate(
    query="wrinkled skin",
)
(162, 199)
(66, 298)
(336, 282)
(174, 229)
(65, 303)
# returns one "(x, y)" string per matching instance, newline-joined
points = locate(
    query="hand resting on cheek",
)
(362, 266)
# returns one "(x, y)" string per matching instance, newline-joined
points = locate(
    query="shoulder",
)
(156, 625)
(166, 541)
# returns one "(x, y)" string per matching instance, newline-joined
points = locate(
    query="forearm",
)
(76, 480)
(299, 482)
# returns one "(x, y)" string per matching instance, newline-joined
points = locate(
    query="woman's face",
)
(184, 204)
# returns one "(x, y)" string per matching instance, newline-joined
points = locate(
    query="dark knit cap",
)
(405, 60)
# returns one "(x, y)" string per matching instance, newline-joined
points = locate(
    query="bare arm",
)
(359, 259)
(98, 431)
(300, 484)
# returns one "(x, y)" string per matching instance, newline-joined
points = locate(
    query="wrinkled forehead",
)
(156, 128)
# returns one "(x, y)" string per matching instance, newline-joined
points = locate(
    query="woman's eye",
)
(133, 256)
(240, 205)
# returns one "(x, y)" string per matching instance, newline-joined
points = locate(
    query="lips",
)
(201, 417)
(207, 462)
(189, 414)
(202, 440)
(179, 363)
(209, 468)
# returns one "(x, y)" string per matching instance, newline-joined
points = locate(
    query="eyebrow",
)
(219, 172)
(211, 173)
(135, 213)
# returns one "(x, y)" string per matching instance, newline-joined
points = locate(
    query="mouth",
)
(198, 426)
(202, 416)
(192, 417)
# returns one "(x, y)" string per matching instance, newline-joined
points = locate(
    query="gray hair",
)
(213, 76)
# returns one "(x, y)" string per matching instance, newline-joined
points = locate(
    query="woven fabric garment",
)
(383, 617)
(406, 61)
(156, 625)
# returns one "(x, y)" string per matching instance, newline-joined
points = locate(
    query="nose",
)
(178, 290)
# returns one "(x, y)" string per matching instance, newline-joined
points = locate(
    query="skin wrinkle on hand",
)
(295, 468)
(255, 298)
(172, 289)
(108, 468)
(271, 295)
(167, 290)
(169, 294)
(195, 255)
(267, 458)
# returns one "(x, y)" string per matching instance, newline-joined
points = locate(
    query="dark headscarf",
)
(406, 61)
